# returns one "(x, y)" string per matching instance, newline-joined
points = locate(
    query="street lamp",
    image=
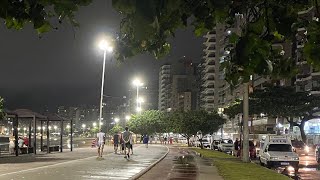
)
(116, 120)
(139, 109)
(137, 83)
(128, 117)
(105, 46)
(94, 124)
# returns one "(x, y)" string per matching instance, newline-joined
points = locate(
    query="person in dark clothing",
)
(236, 147)
(146, 140)
(116, 138)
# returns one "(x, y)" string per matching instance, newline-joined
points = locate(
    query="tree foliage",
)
(2, 113)
(148, 122)
(190, 122)
(116, 129)
(147, 26)
(280, 101)
(40, 13)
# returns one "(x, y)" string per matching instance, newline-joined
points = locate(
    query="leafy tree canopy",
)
(116, 129)
(40, 13)
(148, 122)
(280, 101)
(190, 122)
(148, 24)
(2, 113)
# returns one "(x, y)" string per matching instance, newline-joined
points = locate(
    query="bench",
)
(26, 150)
(51, 148)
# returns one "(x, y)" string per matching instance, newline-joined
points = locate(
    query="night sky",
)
(64, 66)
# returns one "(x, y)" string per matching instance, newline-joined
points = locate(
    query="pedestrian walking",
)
(116, 138)
(131, 145)
(146, 140)
(236, 147)
(126, 136)
(165, 140)
(101, 137)
(122, 144)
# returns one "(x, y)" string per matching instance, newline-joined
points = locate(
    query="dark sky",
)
(64, 66)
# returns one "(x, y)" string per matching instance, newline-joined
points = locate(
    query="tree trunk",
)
(245, 149)
(303, 134)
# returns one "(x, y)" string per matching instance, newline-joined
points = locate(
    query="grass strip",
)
(232, 168)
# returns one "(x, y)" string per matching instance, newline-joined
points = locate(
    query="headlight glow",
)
(273, 158)
(290, 168)
(307, 149)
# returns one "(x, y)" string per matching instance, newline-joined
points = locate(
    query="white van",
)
(277, 151)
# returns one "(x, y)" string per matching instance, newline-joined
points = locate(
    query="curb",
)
(141, 173)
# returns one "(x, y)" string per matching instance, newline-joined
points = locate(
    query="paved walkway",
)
(112, 166)
(182, 164)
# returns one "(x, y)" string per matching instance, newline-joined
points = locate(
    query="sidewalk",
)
(82, 165)
(182, 164)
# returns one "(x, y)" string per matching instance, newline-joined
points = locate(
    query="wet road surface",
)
(112, 166)
(182, 164)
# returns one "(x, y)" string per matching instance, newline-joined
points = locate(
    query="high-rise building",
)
(211, 77)
(178, 86)
(307, 79)
(164, 87)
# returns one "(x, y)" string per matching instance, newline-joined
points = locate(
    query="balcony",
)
(315, 74)
(209, 76)
(209, 68)
(208, 83)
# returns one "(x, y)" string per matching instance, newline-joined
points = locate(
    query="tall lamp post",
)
(106, 47)
(138, 83)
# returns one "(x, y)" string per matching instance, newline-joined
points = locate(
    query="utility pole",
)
(245, 149)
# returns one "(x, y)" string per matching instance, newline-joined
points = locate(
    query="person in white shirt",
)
(20, 142)
(101, 137)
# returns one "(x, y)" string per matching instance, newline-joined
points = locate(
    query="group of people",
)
(124, 139)
(22, 142)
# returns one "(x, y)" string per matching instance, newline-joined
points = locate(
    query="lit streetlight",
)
(138, 84)
(105, 46)
(116, 120)
(139, 109)
(83, 126)
(68, 126)
(128, 117)
(94, 124)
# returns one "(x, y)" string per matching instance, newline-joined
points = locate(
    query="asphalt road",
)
(111, 166)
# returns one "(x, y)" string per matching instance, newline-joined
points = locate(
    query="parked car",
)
(214, 145)
(225, 145)
(206, 143)
(300, 147)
